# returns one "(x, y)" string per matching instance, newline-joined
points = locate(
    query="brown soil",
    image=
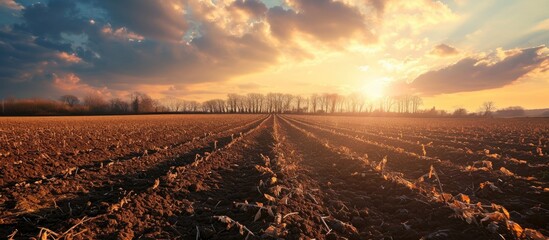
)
(264, 176)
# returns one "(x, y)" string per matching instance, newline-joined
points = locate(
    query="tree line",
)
(326, 103)
(315, 103)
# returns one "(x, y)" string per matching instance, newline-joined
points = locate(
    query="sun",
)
(375, 89)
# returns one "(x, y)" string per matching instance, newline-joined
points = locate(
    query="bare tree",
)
(214, 106)
(488, 107)
(416, 102)
(298, 102)
(143, 103)
(95, 102)
(255, 102)
(119, 106)
(220, 105)
(400, 102)
(460, 112)
(323, 102)
(232, 102)
(146, 104)
(287, 100)
(175, 104)
(354, 101)
(208, 106)
(332, 100)
(70, 100)
(386, 104)
(279, 102)
(157, 106)
(269, 102)
(134, 101)
(314, 102)
(192, 106)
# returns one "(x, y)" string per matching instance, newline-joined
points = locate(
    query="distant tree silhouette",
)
(515, 111)
(119, 106)
(314, 102)
(70, 100)
(460, 112)
(488, 107)
(96, 103)
(324, 103)
(142, 103)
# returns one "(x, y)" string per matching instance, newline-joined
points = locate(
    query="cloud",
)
(161, 20)
(106, 52)
(443, 50)
(541, 26)
(416, 16)
(71, 82)
(473, 74)
(51, 19)
(121, 33)
(379, 5)
(69, 58)
(126, 44)
(391, 65)
(21, 57)
(11, 4)
(253, 8)
(324, 20)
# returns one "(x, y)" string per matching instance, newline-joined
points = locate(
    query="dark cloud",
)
(379, 5)
(161, 20)
(471, 74)
(234, 55)
(51, 19)
(443, 50)
(10, 4)
(20, 57)
(326, 20)
(32, 50)
(282, 22)
(254, 8)
(9, 12)
(61, 45)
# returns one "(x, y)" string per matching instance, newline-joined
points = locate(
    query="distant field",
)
(273, 176)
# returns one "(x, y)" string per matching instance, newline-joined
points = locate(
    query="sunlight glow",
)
(375, 89)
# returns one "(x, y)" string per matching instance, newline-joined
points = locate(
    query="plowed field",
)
(273, 176)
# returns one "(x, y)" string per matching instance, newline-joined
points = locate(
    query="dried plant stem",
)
(438, 181)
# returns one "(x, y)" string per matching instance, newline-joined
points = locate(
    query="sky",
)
(452, 53)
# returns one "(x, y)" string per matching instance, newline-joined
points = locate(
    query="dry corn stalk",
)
(117, 206)
(381, 166)
(276, 232)
(269, 197)
(506, 171)
(245, 206)
(46, 234)
(491, 185)
(433, 172)
(156, 183)
(230, 223)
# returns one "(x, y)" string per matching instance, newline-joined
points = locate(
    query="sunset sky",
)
(454, 53)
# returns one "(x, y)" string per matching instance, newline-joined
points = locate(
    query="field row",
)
(263, 176)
